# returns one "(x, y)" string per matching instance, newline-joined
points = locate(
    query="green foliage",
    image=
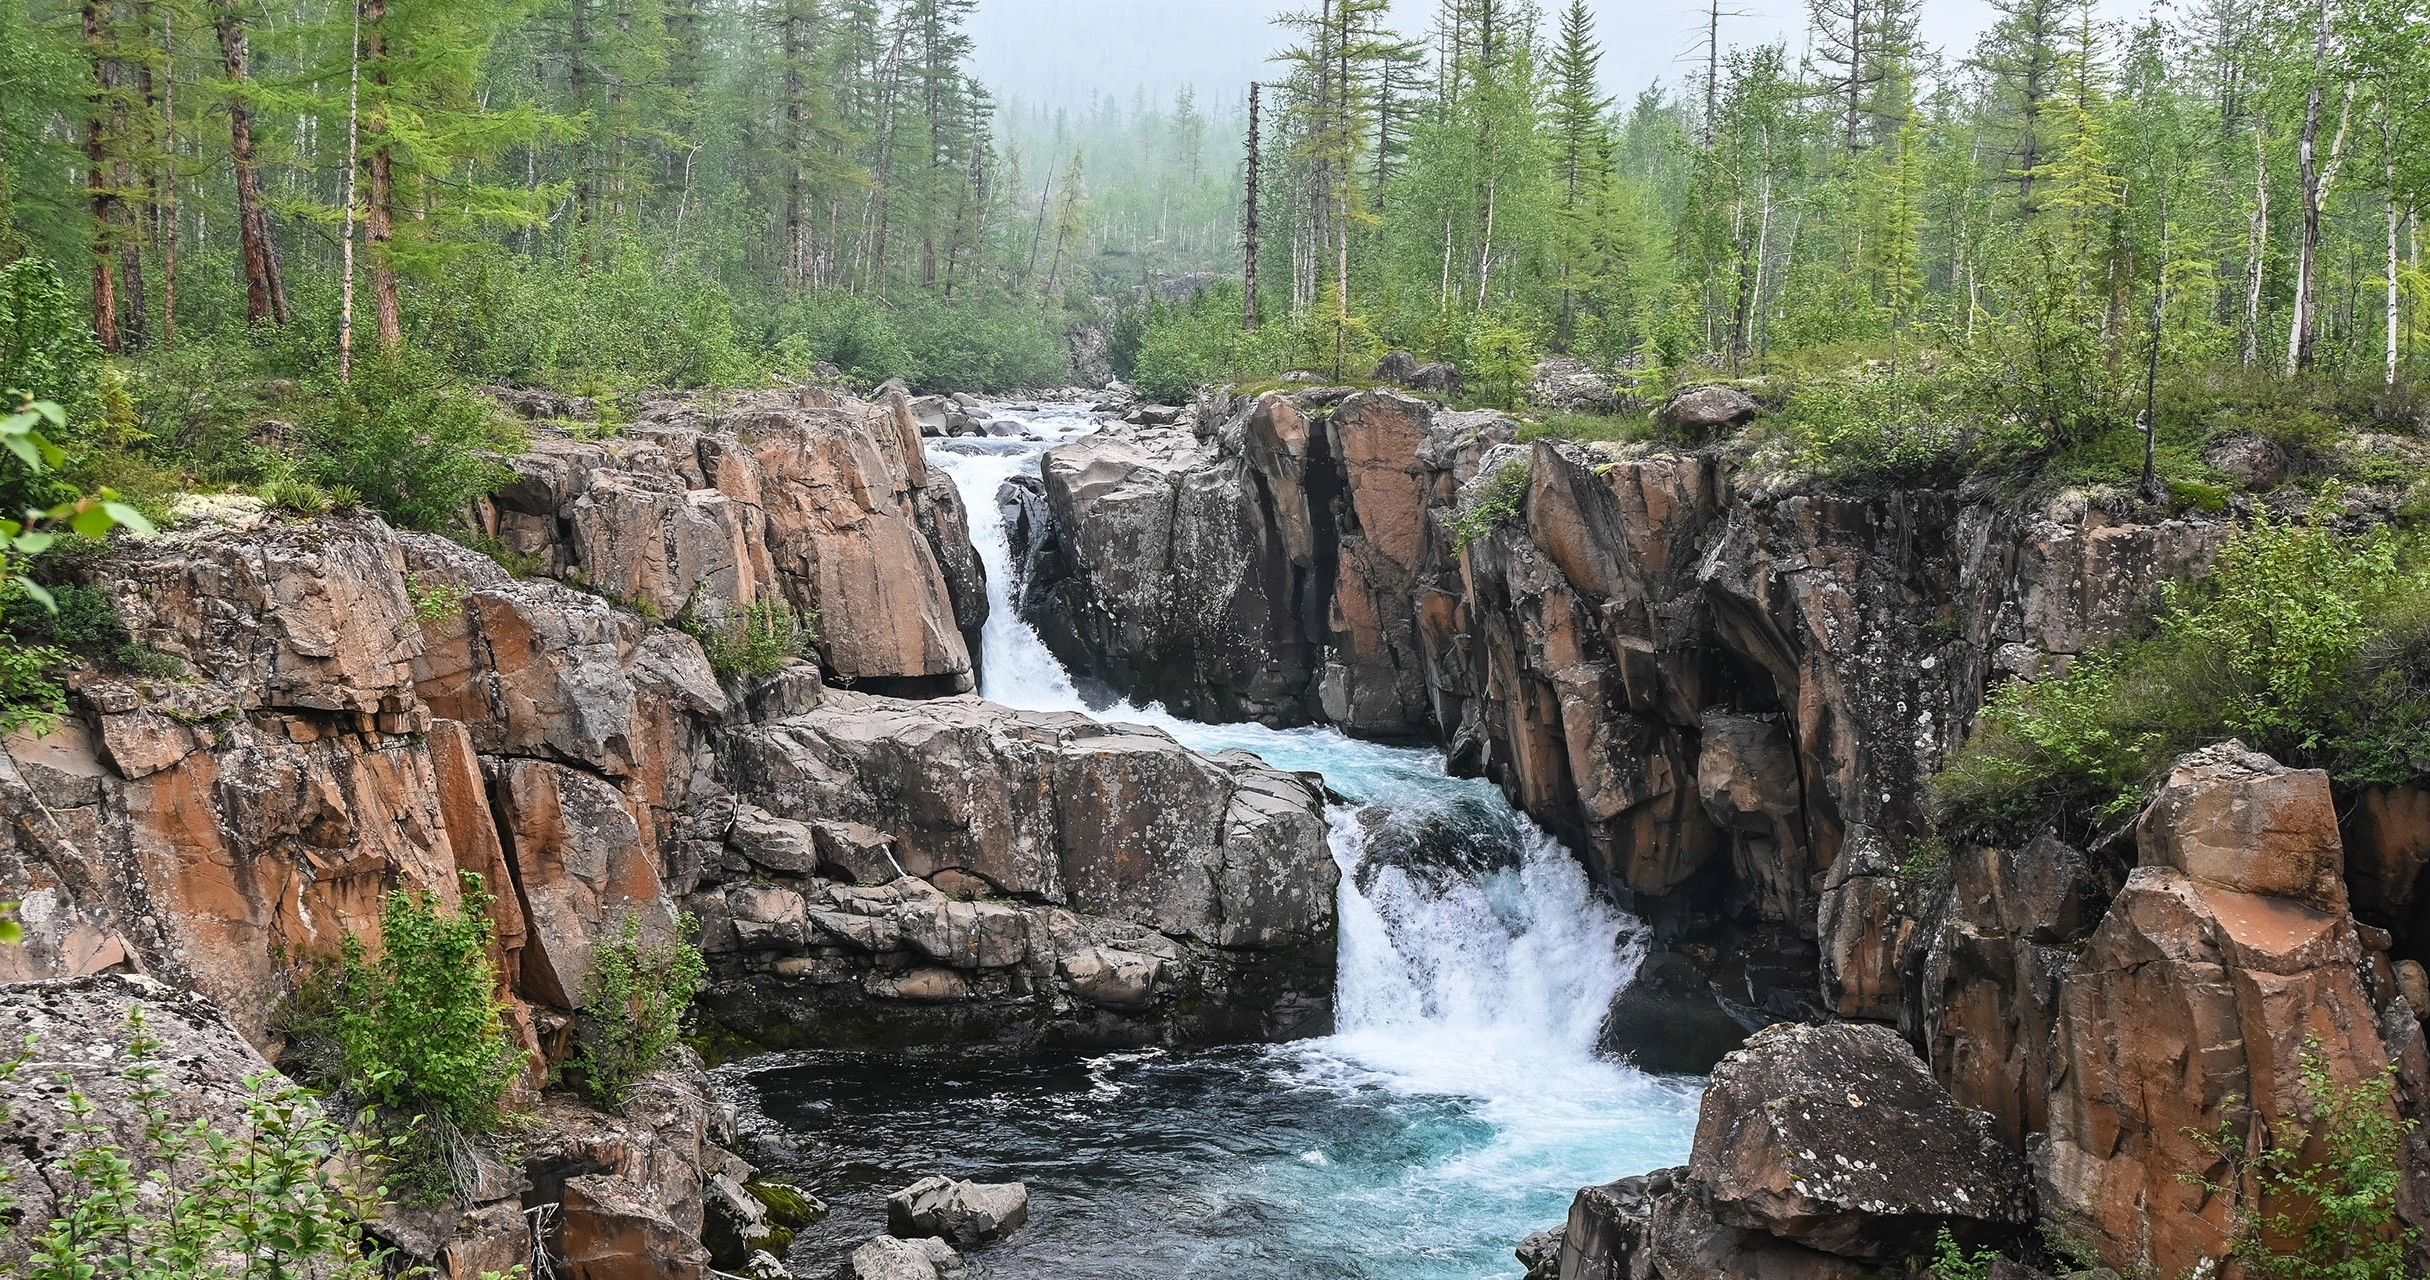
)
(2308, 644)
(417, 1032)
(2328, 1191)
(1500, 499)
(1950, 1261)
(1185, 347)
(640, 990)
(415, 444)
(756, 640)
(514, 562)
(647, 319)
(46, 346)
(82, 624)
(1874, 431)
(275, 1195)
(435, 599)
(31, 696)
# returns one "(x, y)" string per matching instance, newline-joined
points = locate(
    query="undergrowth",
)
(2308, 644)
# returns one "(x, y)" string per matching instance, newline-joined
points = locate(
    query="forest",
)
(341, 218)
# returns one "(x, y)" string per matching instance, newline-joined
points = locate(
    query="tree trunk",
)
(379, 214)
(2387, 148)
(2256, 245)
(102, 199)
(1249, 221)
(265, 290)
(168, 204)
(354, 103)
(2307, 235)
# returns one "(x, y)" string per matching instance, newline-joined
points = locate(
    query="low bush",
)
(640, 990)
(417, 1033)
(1501, 499)
(82, 623)
(2306, 643)
(756, 640)
(2329, 1181)
(417, 445)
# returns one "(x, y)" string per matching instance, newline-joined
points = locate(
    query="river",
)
(1459, 1105)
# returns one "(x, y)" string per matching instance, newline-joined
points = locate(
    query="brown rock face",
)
(1996, 966)
(821, 502)
(2251, 980)
(2191, 953)
(1838, 1138)
(2236, 819)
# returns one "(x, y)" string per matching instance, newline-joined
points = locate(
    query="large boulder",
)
(81, 1033)
(2236, 819)
(978, 873)
(1838, 1138)
(966, 1213)
(1569, 385)
(1708, 411)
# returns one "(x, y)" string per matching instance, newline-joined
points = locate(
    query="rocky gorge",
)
(1730, 693)
(1723, 696)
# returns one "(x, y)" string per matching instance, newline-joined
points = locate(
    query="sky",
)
(1058, 52)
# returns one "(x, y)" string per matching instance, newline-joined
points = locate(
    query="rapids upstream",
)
(1458, 1107)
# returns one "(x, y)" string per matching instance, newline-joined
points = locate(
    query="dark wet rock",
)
(1668, 1020)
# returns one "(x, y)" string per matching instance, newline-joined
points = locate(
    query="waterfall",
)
(1475, 958)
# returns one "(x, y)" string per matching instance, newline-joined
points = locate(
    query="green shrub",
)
(1951, 1262)
(418, 446)
(417, 1033)
(31, 696)
(1500, 500)
(639, 993)
(2328, 1191)
(757, 640)
(82, 623)
(2305, 643)
(435, 599)
(279, 1191)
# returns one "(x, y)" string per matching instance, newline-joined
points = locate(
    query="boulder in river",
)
(967, 1212)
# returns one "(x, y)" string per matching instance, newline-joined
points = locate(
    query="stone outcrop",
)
(1837, 1137)
(1643, 618)
(965, 1213)
(2252, 959)
(80, 1035)
(820, 502)
(1705, 412)
(1029, 877)
(1822, 1153)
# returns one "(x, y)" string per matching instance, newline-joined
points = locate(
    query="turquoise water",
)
(1458, 1107)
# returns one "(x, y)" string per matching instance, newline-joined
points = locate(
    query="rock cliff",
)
(365, 710)
(1731, 697)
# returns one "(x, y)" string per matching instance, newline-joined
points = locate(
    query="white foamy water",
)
(1475, 968)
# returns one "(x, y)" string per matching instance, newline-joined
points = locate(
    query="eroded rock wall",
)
(365, 710)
